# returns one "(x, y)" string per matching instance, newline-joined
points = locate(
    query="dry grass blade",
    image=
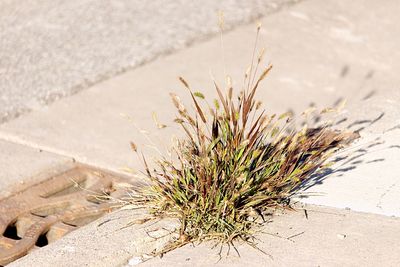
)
(221, 98)
(198, 108)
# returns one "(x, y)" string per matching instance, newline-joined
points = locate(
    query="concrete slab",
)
(329, 237)
(368, 179)
(109, 241)
(21, 166)
(322, 51)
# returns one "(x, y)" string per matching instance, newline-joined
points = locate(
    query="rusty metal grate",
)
(47, 211)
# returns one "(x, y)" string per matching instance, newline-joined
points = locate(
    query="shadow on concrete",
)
(349, 158)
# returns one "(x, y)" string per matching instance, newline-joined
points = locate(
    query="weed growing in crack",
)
(235, 163)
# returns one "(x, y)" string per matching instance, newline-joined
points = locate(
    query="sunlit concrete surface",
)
(50, 49)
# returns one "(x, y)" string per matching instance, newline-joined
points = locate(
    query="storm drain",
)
(49, 210)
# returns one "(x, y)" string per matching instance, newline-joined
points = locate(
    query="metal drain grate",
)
(47, 211)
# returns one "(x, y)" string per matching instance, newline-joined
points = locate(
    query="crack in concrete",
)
(379, 205)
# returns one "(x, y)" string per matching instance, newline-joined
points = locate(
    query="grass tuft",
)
(234, 163)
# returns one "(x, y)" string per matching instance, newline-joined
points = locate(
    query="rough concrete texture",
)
(21, 166)
(50, 49)
(322, 51)
(109, 241)
(329, 237)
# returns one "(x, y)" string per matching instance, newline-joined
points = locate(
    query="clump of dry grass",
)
(234, 163)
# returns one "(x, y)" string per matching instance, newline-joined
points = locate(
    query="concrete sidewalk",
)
(322, 52)
(329, 237)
